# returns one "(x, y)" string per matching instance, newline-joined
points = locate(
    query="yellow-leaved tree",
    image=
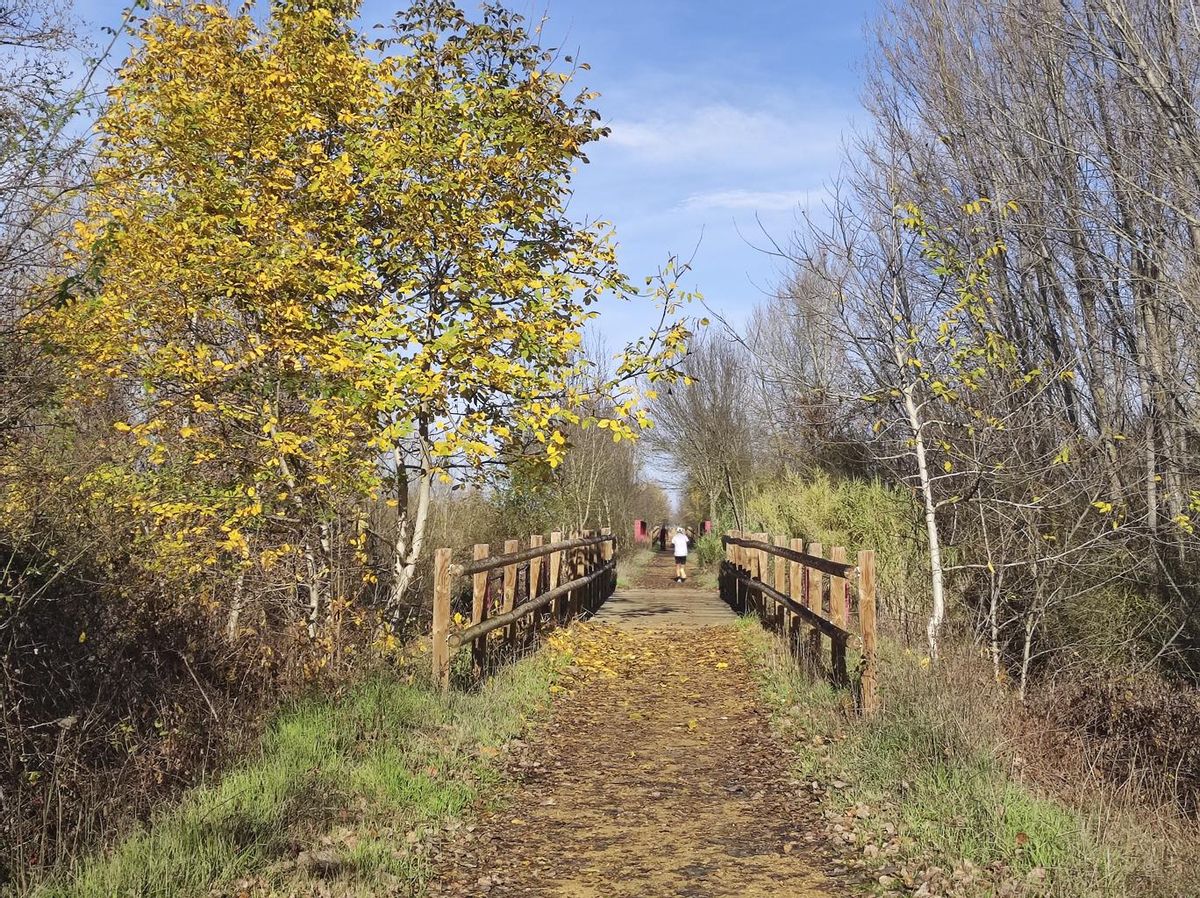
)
(319, 271)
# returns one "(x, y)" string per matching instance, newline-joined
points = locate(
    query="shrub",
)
(709, 549)
(948, 782)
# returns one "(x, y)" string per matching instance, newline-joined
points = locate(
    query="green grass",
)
(937, 768)
(366, 778)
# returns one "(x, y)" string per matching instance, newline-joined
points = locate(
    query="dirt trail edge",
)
(657, 775)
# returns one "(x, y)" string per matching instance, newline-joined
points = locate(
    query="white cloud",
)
(730, 135)
(757, 200)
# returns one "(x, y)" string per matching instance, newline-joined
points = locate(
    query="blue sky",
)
(723, 114)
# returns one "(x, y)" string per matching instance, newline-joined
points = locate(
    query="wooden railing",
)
(522, 591)
(793, 600)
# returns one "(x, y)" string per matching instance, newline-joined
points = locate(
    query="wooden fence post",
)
(743, 563)
(839, 613)
(780, 570)
(581, 562)
(796, 593)
(726, 581)
(588, 556)
(816, 583)
(736, 569)
(536, 541)
(555, 577)
(607, 551)
(510, 589)
(751, 560)
(760, 574)
(479, 608)
(440, 648)
(866, 621)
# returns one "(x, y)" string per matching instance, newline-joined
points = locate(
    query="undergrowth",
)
(631, 565)
(857, 514)
(933, 792)
(350, 792)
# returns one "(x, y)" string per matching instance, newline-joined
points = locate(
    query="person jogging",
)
(680, 543)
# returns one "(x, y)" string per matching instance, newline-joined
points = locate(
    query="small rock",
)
(322, 862)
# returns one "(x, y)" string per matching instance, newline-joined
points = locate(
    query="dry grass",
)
(954, 800)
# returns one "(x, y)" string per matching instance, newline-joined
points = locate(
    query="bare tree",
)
(705, 427)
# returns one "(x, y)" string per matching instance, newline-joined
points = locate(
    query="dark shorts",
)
(680, 559)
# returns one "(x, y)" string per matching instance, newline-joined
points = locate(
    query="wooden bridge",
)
(657, 771)
(811, 601)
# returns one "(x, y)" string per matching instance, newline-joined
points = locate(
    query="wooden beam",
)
(807, 615)
(536, 563)
(780, 580)
(511, 547)
(760, 572)
(526, 554)
(821, 564)
(608, 551)
(479, 607)
(814, 600)
(796, 593)
(839, 613)
(440, 648)
(507, 619)
(867, 623)
(555, 576)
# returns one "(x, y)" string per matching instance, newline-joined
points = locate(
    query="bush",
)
(709, 550)
(368, 777)
(1140, 732)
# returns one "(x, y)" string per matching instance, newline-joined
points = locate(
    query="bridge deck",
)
(683, 607)
(657, 602)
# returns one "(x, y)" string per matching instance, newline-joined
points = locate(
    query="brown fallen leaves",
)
(656, 775)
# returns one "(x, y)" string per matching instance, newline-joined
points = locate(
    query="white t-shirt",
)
(680, 542)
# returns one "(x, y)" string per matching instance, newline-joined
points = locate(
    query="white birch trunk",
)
(410, 540)
(937, 611)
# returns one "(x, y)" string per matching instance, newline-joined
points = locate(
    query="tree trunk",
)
(937, 611)
(410, 538)
(235, 608)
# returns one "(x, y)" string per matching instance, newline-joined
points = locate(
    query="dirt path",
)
(657, 775)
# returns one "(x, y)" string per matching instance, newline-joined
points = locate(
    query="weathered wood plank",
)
(867, 623)
(479, 607)
(440, 648)
(821, 564)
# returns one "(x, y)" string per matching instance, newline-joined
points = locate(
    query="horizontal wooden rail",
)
(497, 561)
(478, 631)
(824, 565)
(566, 577)
(791, 596)
(810, 617)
